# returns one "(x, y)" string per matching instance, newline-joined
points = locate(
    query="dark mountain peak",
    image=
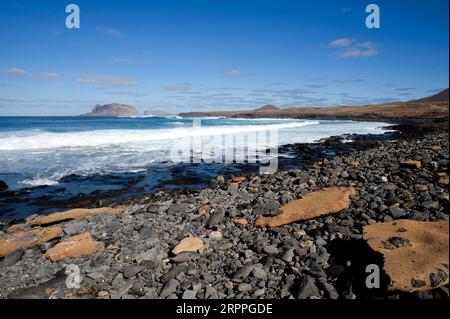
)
(113, 109)
(267, 107)
(438, 97)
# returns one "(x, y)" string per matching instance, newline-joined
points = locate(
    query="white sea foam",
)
(117, 137)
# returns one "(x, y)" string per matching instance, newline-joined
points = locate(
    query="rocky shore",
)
(299, 233)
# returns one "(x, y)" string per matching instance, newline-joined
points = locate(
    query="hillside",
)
(429, 107)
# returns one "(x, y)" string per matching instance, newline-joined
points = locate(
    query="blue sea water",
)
(41, 150)
(56, 158)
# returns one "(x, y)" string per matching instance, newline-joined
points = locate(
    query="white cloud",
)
(46, 76)
(341, 43)
(109, 31)
(106, 80)
(16, 71)
(181, 87)
(349, 48)
(232, 73)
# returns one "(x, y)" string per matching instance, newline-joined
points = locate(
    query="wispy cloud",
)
(16, 71)
(180, 87)
(351, 48)
(125, 93)
(346, 81)
(109, 31)
(46, 76)
(232, 73)
(404, 89)
(346, 10)
(106, 80)
(341, 43)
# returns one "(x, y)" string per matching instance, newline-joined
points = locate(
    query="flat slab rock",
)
(415, 252)
(188, 244)
(312, 205)
(66, 215)
(27, 239)
(72, 247)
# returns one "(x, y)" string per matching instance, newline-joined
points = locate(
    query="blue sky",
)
(190, 55)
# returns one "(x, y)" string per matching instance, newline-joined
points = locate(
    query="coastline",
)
(319, 258)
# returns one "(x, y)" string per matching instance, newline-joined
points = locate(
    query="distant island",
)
(428, 107)
(113, 109)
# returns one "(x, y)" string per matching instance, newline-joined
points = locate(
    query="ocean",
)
(81, 155)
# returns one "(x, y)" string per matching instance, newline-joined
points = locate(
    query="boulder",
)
(312, 205)
(3, 186)
(27, 239)
(74, 246)
(415, 252)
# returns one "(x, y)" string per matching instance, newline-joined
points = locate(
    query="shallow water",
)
(53, 161)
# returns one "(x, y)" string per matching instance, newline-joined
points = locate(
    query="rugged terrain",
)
(209, 244)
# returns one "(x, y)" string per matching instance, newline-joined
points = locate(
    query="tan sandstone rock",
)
(411, 164)
(312, 205)
(74, 214)
(74, 246)
(27, 239)
(415, 252)
(188, 244)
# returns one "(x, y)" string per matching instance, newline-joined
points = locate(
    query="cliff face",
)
(113, 109)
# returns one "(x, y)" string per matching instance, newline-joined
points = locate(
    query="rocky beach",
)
(306, 233)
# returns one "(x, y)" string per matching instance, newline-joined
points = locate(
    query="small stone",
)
(397, 212)
(132, 271)
(244, 287)
(307, 288)
(215, 235)
(271, 250)
(169, 288)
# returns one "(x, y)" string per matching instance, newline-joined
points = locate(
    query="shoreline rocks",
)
(222, 253)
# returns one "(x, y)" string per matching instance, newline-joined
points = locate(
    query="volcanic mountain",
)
(113, 109)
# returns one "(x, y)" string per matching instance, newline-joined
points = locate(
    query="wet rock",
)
(3, 186)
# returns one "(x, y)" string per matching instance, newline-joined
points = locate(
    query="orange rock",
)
(74, 246)
(355, 163)
(436, 148)
(74, 214)
(238, 179)
(17, 227)
(188, 244)
(441, 174)
(413, 251)
(411, 164)
(202, 210)
(443, 181)
(312, 205)
(241, 221)
(27, 239)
